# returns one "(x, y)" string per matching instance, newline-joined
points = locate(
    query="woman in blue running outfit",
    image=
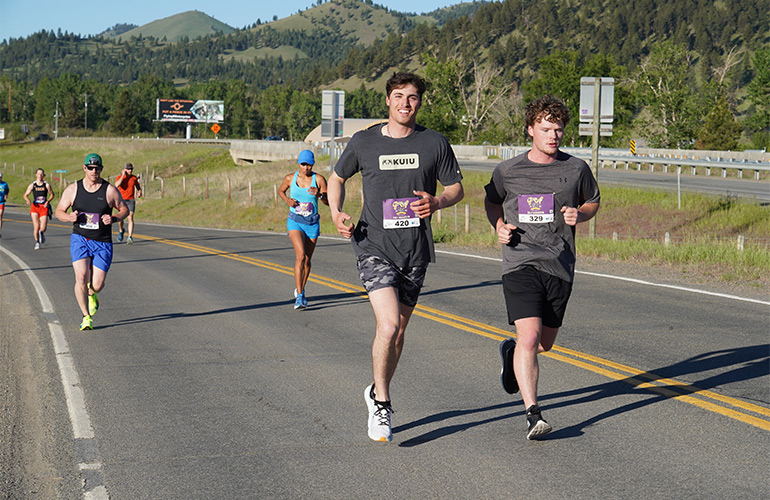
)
(305, 188)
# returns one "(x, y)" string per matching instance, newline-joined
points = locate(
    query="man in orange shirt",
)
(130, 189)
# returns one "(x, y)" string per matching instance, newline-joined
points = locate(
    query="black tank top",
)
(39, 193)
(91, 207)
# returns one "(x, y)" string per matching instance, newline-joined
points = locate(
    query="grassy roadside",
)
(198, 185)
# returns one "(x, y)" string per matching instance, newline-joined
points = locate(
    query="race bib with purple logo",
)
(39, 200)
(396, 213)
(304, 208)
(90, 221)
(536, 208)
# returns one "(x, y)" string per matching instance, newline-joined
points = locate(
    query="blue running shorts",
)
(83, 248)
(311, 230)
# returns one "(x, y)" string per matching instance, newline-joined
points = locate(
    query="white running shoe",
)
(37, 246)
(379, 417)
(536, 424)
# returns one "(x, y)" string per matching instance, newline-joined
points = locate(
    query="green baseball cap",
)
(93, 159)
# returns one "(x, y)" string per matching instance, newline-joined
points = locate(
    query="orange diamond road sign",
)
(216, 128)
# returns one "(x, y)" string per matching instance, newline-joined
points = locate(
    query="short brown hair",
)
(403, 79)
(546, 108)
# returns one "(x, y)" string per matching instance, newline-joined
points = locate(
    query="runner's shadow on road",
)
(332, 300)
(745, 363)
(480, 284)
(742, 364)
(452, 429)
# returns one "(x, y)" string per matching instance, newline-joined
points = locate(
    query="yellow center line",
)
(616, 371)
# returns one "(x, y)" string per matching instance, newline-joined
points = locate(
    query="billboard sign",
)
(187, 110)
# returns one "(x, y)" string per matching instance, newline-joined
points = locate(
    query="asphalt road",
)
(714, 184)
(200, 381)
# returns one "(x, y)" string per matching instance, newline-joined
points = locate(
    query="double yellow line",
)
(724, 405)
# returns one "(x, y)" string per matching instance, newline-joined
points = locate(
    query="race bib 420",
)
(396, 213)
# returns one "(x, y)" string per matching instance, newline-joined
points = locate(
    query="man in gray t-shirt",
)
(534, 202)
(400, 164)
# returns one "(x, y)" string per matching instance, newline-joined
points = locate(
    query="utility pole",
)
(9, 102)
(56, 122)
(86, 123)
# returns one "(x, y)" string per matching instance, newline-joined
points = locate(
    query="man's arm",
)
(336, 196)
(26, 194)
(137, 189)
(115, 200)
(428, 204)
(50, 192)
(573, 216)
(496, 217)
(67, 198)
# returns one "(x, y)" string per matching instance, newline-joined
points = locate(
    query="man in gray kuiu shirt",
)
(400, 164)
(534, 202)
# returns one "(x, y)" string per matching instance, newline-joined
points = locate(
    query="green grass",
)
(187, 185)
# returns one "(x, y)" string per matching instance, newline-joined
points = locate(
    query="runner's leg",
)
(309, 249)
(298, 242)
(82, 270)
(391, 319)
(525, 363)
(35, 225)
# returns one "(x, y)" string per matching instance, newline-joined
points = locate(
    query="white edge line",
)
(73, 392)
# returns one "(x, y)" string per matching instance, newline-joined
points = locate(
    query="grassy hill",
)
(351, 19)
(191, 24)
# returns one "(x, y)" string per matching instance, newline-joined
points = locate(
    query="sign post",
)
(332, 116)
(597, 96)
(61, 180)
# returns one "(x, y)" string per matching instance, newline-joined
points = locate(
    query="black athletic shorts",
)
(530, 293)
(376, 273)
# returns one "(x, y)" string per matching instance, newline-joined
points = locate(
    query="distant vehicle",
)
(42, 137)
(273, 138)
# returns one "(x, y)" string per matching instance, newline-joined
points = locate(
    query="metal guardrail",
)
(665, 163)
(652, 161)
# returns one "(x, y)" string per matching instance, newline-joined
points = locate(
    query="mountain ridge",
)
(190, 24)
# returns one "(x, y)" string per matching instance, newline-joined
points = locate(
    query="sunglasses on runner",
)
(94, 167)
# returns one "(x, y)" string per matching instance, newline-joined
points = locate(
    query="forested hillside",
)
(691, 73)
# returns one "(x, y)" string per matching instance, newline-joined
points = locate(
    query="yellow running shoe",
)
(87, 323)
(93, 304)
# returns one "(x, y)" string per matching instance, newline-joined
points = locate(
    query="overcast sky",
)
(19, 18)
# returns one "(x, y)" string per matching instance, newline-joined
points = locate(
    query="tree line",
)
(688, 74)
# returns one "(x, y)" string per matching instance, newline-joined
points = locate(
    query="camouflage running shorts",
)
(376, 273)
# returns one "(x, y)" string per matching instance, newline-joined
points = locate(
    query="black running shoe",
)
(507, 375)
(536, 426)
